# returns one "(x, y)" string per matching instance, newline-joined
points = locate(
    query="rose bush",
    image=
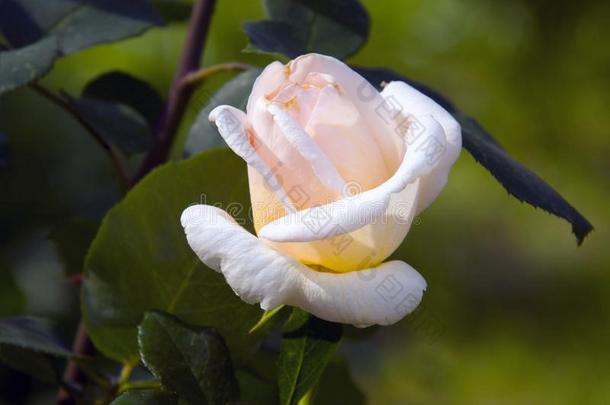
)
(337, 172)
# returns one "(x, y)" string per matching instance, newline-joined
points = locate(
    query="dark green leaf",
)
(276, 37)
(50, 156)
(193, 362)
(337, 387)
(42, 30)
(308, 343)
(295, 27)
(92, 22)
(72, 240)
(12, 300)
(140, 260)
(125, 89)
(203, 135)
(117, 124)
(258, 379)
(146, 397)
(28, 345)
(18, 25)
(32, 334)
(4, 152)
(37, 365)
(21, 66)
(518, 180)
(173, 10)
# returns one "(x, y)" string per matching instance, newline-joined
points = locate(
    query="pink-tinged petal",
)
(259, 274)
(368, 101)
(337, 127)
(300, 140)
(271, 78)
(349, 214)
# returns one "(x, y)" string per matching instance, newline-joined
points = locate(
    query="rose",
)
(337, 172)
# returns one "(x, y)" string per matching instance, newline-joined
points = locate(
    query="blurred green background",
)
(515, 312)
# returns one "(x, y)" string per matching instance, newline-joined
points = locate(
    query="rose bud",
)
(337, 172)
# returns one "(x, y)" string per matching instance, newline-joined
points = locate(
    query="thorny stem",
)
(179, 94)
(196, 78)
(112, 151)
(168, 125)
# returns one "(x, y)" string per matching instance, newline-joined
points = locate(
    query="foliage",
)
(146, 299)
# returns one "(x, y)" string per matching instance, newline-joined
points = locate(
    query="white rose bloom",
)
(337, 173)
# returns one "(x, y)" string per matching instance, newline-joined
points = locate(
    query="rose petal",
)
(231, 124)
(365, 97)
(307, 148)
(259, 274)
(349, 214)
(417, 104)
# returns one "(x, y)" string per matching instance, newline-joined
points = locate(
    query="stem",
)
(113, 153)
(168, 124)
(126, 373)
(139, 385)
(179, 94)
(72, 374)
(196, 78)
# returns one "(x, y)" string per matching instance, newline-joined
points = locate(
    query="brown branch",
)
(112, 152)
(81, 346)
(166, 130)
(179, 94)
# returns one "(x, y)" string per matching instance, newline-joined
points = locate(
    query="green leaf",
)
(32, 334)
(337, 387)
(140, 260)
(28, 344)
(203, 135)
(72, 240)
(295, 27)
(41, 31)
(117, 124)
(21, 66)
(93, 22)
(193, 362)
(128, 90)
(308, 343)
(268, 319)
(517, 179)
(146, 397)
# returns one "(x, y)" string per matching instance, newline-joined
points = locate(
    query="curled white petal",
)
(231, 124)
(346, 215)
(417, 104)
(259, 274)
(307, 147)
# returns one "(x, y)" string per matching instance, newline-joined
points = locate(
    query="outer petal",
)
(349, 214)
(417, 104)
(232, 126)
(257, 273)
